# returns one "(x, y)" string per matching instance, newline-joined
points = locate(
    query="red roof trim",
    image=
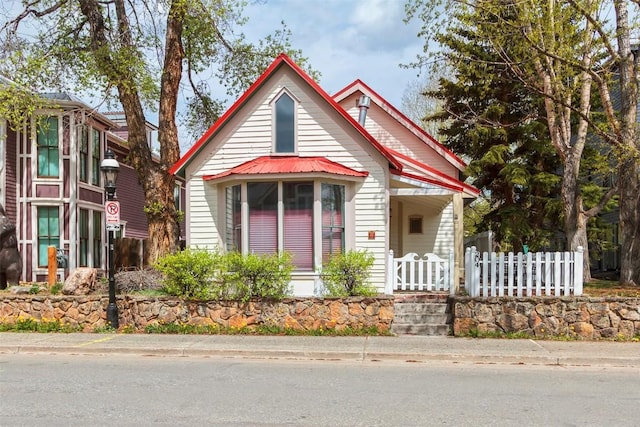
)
(280, 60)
(470, 188)
(353, 86)
(274, 165)
(428, 180)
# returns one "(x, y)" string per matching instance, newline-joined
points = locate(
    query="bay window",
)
(281, 218)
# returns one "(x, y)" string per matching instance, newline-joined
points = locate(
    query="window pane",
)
(83, 163)
(47, 148)
(83, 235)
(97, 239)
(234, 219)
(332, 220)
(263, 217)
(285, 126)
(48, 232)
(95, 157)
(298, 223)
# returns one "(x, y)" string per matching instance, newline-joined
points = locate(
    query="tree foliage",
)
(135, 56)
(568, 58)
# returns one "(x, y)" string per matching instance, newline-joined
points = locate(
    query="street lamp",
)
(109, 168)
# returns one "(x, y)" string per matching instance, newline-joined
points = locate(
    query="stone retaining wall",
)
(136, 312)
(579, 317)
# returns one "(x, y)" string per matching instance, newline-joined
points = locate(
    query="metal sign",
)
(112, 212)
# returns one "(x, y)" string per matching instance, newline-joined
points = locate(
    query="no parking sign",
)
(112, 211)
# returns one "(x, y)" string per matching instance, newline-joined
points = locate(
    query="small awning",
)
(276, 165)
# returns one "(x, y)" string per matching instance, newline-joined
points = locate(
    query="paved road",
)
(401, 348)
(130, 390)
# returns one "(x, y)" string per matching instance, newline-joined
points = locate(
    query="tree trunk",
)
(575, 221)
(629, 169)
(629, 206)
(157, 184)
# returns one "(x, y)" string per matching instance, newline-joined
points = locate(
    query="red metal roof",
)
(281, 60)
(269, 165)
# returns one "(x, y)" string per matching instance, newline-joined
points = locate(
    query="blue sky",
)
(346, 40)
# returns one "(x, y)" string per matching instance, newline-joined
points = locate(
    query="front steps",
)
(422, 314)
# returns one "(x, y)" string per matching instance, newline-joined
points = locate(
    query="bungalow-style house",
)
(52, 187)
(290, 168)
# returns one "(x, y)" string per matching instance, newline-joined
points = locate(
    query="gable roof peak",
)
(281, 60)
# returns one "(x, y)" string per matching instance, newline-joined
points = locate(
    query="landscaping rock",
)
(82, 281)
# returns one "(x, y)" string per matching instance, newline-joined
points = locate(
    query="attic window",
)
(415, 224)
(285, 124)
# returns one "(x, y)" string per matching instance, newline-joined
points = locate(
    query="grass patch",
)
(182, 328)
(44, 326)
(610, 288)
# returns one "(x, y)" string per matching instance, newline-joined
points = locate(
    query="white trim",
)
(419, 192)
(272, 104)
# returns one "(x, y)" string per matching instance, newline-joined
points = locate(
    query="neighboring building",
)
(52, 187)
(290, 168)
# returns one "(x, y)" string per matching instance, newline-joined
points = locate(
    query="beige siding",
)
(390, 133)
(320, 132)
(438, 230)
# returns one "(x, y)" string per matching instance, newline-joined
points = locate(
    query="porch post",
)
(458, 237)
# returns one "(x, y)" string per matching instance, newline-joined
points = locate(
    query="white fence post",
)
(453, 285)
(391, 275)
(578, 269)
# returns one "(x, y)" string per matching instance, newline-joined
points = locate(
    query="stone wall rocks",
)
(136, 312)
(542, 317)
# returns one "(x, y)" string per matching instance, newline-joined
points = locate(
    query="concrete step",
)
(421, 314)
(421, 308)
(421, 329)
(434, 319)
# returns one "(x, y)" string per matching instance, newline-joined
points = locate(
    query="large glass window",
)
(263, 217)
(48, 232)
(332, 220)
(298, 223)
(83, 237)
(97, 239)
(285, 210)
(285, 125)
(83, 160)
(47, 148)
(95, 157)
(234, 218)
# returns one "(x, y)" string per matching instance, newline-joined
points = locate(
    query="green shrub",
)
(258, 276)
(191, 273)
(347, 274)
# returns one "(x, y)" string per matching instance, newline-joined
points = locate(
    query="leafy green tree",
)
(136, 55)
(565, 52)
(494, 121)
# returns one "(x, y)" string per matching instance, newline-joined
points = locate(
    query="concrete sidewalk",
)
(399, 348)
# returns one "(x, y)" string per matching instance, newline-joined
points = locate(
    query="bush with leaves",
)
(347, 274)
(191, 273)
(258, 276)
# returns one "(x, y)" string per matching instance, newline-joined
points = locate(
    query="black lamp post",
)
(109, 168)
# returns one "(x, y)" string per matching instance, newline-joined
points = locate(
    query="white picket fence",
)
(531, 274)
(420, 273)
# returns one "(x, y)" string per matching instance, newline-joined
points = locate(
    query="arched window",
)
(285, 125)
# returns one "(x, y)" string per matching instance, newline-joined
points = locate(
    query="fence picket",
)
(550, 273)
